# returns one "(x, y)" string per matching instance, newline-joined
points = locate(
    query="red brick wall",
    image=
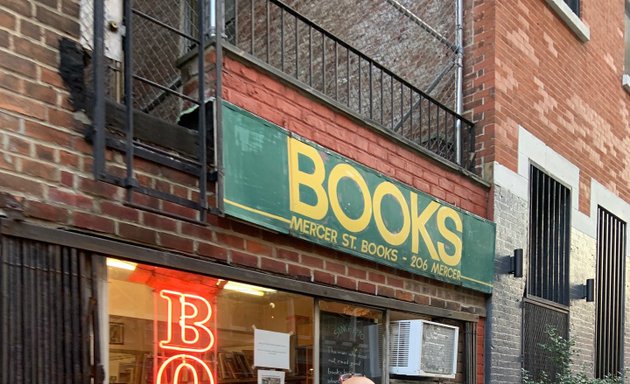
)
(543, 78)
(46, 164)
(378, 29)
(286, 106)
(480, 350)
(479, 81)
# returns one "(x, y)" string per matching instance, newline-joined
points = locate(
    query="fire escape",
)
(156, 80)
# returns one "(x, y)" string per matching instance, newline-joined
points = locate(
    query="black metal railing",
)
(154, 128)
(279, 36)
(163, 130)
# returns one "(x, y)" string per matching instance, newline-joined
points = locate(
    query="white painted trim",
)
(569, 17)
(532, 150)
(625, 82)
(511, 181)
(600, 196)
(113, 36)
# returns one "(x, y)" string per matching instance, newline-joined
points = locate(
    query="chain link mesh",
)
(378, 59)
(537, 320)
(396, 39)
(416, 40)
(156, 50)
(159, 30)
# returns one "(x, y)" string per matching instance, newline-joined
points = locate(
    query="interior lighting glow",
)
(247, 288)
(120, 264)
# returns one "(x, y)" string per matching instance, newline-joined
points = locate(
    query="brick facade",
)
(46, 165)
(289, 108)
(523, 68)
(526, 67)
(505, 312)
(529, 72)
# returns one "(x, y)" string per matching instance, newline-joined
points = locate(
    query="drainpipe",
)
(217, 26)
(459, 100)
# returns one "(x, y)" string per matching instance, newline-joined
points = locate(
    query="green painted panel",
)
(283, 182)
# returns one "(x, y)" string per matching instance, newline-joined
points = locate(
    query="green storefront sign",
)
(283, 182)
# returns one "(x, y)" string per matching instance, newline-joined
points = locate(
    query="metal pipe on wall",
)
(459, 105)
(218, 126)
(99, 87)
(203, 146)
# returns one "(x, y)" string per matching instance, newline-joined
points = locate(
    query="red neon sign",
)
(194, 365)
(187, 316)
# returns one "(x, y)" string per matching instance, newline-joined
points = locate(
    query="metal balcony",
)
(392, 65)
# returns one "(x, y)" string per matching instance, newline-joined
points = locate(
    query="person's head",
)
(354, 378)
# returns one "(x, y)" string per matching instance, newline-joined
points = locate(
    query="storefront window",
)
(173, 327)
(351, 340)
(168, 326)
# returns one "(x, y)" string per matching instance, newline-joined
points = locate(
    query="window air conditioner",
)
(423, 348)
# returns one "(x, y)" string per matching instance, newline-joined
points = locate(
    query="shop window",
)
(168, 326)
(611, 266)
(351, 342)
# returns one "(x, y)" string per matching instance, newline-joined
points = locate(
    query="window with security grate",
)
(611, 266)
(546, 304)
(538, 320)
(549, 233)
(149, 108)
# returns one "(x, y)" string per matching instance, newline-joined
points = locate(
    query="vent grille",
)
(438, 341)
(399, 344)
(46, 311)
(537, 319)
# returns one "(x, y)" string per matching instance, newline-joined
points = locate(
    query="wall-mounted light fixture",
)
(517, 263)
(589, 290)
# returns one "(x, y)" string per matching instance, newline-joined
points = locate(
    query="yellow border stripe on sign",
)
(476, 281)
(262, 213)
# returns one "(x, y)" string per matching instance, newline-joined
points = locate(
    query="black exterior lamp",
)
(589, 290)
(517, 263)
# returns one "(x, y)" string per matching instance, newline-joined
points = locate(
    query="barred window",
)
(611, 266)
(549, 235)
(546, 304)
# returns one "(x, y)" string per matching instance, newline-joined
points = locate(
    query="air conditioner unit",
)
(423, 348)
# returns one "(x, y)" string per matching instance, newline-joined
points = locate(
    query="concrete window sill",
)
(574, 23)
(625, 82)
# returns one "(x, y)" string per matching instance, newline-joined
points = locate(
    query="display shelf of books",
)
(234, 365)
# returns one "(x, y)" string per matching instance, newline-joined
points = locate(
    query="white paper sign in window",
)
(271, 349)
(270, 377)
